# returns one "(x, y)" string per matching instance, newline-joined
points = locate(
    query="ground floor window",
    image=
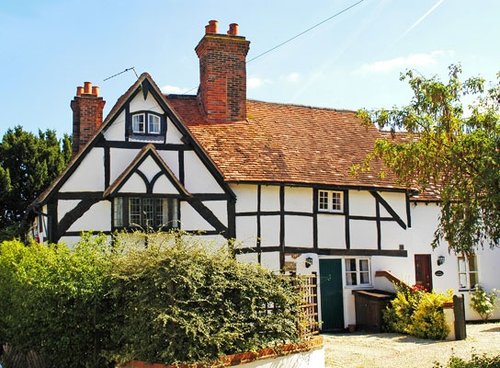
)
(467, 272)
(357, 271)
(145, 213)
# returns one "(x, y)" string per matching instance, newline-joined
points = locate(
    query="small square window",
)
(330, 201)
(153, 124)
(138, 125)
(357, 271)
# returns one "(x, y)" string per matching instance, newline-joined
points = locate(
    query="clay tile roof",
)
(286, 143)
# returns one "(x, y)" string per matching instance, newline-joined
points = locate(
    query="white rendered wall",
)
(298, 199)
(174, 136)
(89, 175)
(298, 231)
(197, 177)
(134, 184)
(96, 218)
(138, 103)
(307, 359)
(120, 159)
(269, 230)
(219, 209)
(361, 203)
(397, 201)
(246, 197)
(331, 231)
(363, 234)
(246, 231)
(270, 198)
(116, 130)
(191, 220)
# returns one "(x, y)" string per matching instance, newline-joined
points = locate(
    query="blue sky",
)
(48, 48)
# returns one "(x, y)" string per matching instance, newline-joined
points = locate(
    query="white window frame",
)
(157, 122)
(357, 272)
(465, 272)
(134, 130)
(330, 195)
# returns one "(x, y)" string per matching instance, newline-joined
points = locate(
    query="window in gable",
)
(330, 201)
(138, 123)
(154, 124)
(146, 212)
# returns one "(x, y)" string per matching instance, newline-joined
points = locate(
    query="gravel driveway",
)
(393, 350)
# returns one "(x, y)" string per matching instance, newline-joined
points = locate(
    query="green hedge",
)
(176, 300)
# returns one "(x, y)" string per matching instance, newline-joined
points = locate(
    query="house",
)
(274, 176)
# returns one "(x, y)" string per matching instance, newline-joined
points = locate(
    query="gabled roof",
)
(147, 150)
(287, 143)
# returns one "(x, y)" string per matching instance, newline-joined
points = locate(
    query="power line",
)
(307, 30)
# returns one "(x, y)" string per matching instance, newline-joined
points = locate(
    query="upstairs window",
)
(357, 271)
(146, 123)
(154, 124)
(467, 272)
(330, 201)
(138, 125)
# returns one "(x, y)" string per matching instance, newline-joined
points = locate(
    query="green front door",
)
(332, 306)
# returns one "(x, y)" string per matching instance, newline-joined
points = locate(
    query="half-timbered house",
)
(274, 176)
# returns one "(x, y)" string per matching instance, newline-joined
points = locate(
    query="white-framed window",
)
(357, 271)
(154, 124)
(330, 201)
(138, 125)
(145, 212)
(467, 272)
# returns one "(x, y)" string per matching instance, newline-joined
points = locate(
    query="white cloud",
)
(175, 90)
(293, 77)
(421, 60)
(256, 82)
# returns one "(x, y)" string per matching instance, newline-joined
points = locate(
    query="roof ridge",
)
(303, 106)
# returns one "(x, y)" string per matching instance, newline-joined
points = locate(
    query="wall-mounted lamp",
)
(308, 262)
(440, 260)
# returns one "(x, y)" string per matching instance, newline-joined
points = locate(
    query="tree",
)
(438, 143)
(28, 163)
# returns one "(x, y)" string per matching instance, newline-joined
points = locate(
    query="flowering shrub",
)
(482, 302)
(416, 312)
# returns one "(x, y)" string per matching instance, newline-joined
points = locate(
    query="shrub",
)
(180, 302)
(482, 302)
(416, 312)
(476, 361)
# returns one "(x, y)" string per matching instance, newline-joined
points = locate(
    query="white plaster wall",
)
(270, 260)
(331, 231)
(197, 177)
(246, 230)
(97, 218)
(89, 176)
(174, 136)
(219, 209)
(393, 235)
(70, 241)
(246, 197)
(307, 359)
(119, 159)
(64, 206)
(116, 130)
(270, 230)
(363, 234)
(361, 203)
(134, 184)
(163, 185)
(301, 264)
(149, 168)
(298, 231)
(191, 220)
(270, 198)
(298, 199)
(401, 267)
(138, 103)
(397, 201)
(171, 158)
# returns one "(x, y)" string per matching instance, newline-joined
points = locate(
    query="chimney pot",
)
(79, 91)
(233, 29)
(87, 88)
(212, 27)
(95, 91)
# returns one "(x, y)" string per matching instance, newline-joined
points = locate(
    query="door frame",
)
(427, 258)
(321, 292)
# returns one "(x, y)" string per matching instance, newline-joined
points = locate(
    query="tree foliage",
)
(439, 142)
(28, 163)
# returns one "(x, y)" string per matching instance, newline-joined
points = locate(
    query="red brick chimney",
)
(87, 109)
(223, 78)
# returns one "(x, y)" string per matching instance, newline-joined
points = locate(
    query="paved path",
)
(393, 350)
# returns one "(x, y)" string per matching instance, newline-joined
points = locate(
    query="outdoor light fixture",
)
(309, 262)
(440, 260)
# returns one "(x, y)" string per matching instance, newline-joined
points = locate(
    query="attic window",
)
(330, 201)
(146, 123)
